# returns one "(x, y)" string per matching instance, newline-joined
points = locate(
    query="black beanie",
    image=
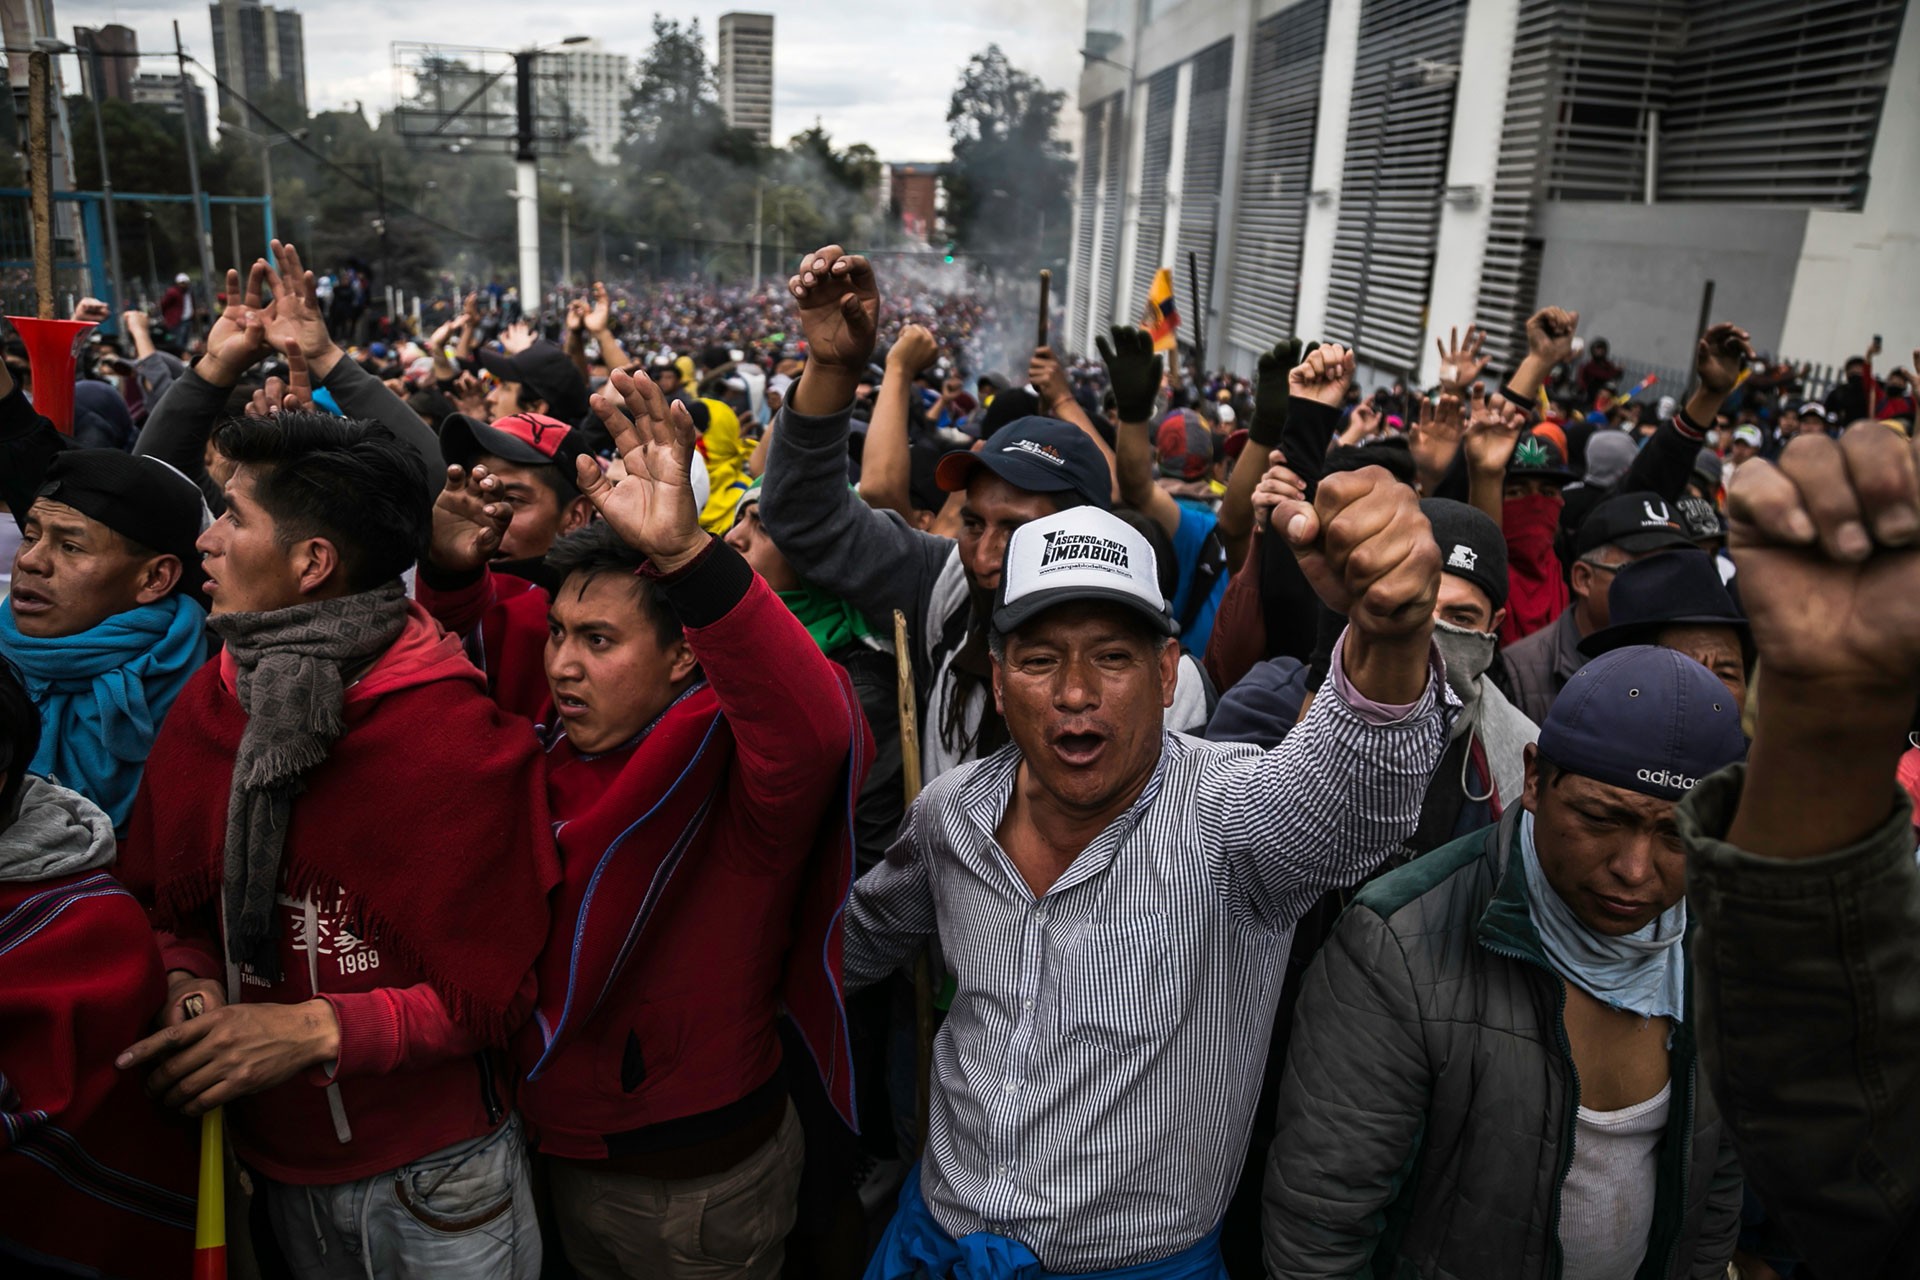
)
(1471, 545)
(141, 499)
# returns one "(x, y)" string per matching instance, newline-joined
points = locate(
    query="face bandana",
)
(1468, 654)
(1643, 972)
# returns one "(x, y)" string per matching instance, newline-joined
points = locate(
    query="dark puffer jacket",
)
(1426, 1121)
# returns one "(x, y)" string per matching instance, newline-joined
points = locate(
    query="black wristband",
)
(707, 588)
(446, 580)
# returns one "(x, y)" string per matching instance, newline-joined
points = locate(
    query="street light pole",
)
(202, 233)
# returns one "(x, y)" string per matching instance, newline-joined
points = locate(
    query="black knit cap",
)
(1471, 545)
(141, 499)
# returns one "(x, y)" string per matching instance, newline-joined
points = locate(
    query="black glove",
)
(1134, 369)
(1270, 392)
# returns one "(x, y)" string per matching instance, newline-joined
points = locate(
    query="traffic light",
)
(949, 252)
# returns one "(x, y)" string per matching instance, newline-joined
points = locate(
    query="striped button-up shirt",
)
(1095, 1080)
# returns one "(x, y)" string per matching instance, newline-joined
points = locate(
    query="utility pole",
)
(526, 192)
(106, 178)
(40, 180)
(202, 233)
(566, 235)
(759, 191)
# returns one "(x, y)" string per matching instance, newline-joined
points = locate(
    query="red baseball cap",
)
(530, 439)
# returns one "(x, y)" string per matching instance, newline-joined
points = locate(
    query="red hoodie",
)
(706, 864)
(422, 844)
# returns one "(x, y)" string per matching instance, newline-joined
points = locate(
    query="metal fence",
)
(1815, 383)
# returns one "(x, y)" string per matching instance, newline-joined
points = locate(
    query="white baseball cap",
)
(1082, 553)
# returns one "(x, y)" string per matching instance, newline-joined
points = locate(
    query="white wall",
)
(1176, 175)
(1329, 157)
(1473, 155)
(1856, 270)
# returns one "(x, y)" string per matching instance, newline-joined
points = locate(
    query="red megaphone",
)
(50, 355)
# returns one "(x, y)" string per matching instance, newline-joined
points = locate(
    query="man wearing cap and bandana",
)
(102, 617)
(1622, 529)
(1029, 467)
(1493, 1069)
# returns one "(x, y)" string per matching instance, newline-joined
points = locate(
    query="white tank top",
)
(1606, 1205)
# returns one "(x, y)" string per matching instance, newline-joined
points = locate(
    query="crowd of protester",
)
(729, 782)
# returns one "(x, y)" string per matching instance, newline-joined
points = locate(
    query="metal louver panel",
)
(1391, 183)
(1156, 152)
(1113, 177)
(1778, 101)
(1200, 181)
(1283, 109)
(1080, 293)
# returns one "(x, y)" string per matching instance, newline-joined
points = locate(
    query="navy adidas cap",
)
(1040, 455)
(1644, 719)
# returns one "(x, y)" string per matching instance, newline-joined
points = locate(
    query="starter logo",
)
(1463, 558)
(1083, 549)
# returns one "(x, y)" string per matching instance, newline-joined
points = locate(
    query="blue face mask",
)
(1643, 972)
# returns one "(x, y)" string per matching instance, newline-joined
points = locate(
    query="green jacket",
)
(1426, 1119)
(1808, 974)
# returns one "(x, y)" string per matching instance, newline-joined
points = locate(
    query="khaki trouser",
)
(731, 1224)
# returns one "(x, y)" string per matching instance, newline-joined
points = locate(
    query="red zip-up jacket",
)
(734, 895)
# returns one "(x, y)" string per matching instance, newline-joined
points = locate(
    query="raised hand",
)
(1461, 362)
(296, 319)
(469, 395)
(90, 311)
(1361, 423)
(1270, 389)
(1722, 352)
(913, 350)
(1278, 485)
(1493, 429)
(470, 517)
(516, 337)
(1048, 379)
(1828, 547)
(600, 314)
(239, 338)
(1550, 333)
(1134, 370)
(1368, 551)
(839, 307)
(651, 507)
(577, 316)
(1435, 438)
(1323, 375)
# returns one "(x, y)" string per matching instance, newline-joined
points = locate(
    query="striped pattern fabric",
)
(1094, 1082)
(42, 909)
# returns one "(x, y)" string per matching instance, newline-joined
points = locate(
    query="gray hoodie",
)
(56, 833)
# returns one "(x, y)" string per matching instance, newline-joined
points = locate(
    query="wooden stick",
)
(1046, 292)
(922, 965)
(40, 181)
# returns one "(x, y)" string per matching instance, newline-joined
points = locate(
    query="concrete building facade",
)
(256, 46)
(746, 72)
(162, 89)
(119, 49)
(1376, 172)
(596, 91)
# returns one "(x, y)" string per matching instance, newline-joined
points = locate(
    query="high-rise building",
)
(596, 90)
(1378, 172)
(119, 49)
(162, 89)
(916, 198)
(21, 23)
(256, 47)
(746, 72)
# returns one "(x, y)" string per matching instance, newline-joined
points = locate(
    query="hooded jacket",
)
(1426, 1120)
(92, 1172)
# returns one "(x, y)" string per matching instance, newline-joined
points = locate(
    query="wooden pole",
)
(1199, 331)
(40, 180)
(922, 965)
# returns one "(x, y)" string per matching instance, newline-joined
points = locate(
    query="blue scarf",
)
(915, 1245)
(1644, 972)
(103, 693)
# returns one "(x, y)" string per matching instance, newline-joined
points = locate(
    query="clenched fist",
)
(1368, 551)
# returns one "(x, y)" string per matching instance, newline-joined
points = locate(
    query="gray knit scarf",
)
(291, 671)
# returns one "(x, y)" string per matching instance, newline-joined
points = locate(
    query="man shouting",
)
(1116, 901)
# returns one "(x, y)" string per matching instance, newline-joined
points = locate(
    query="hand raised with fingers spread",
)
(470, 518)
(1827, 542)
(1722, 352)
(1493, 429)
(1134, 370)
(1435, 438)
(1323, 376)
(296, 317)
(516, 337)
(839, 307)
(1368, 551)
(1461, 362)
(651, 507)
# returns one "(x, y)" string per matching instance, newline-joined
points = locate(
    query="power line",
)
(328, 161)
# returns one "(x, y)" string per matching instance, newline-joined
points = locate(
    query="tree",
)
(1009, 200)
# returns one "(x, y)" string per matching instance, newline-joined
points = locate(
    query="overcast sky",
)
(874, 71)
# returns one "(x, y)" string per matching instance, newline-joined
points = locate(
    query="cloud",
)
(873, 71)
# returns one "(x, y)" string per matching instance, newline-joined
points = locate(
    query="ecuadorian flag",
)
(1162, 321)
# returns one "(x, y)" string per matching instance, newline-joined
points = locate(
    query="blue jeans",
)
(466, 1210)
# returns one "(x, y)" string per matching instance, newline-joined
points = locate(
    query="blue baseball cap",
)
(1040, 455)
(1644, 719)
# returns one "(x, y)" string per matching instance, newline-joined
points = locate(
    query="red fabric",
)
(718, 857)
(1536, 589)
(91, 1171)
(424, 841)
(1239, 636)
(503, 620)
(1908, 775)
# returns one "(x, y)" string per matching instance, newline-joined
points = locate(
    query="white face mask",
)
(1468, 654)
